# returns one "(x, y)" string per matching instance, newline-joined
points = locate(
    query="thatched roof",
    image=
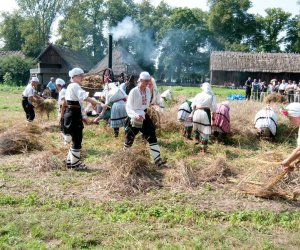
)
(255, 62)
(71, 57)
(11, 53)
(122, 62)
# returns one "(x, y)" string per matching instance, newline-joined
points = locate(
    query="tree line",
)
(179, 39)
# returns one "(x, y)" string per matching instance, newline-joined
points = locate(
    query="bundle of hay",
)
(273, 182)
(47, 161)
(275, 98)
(20, 139)
(46, 106)
(181, 176)
(154, 115)
(92, 81)
(132, 172)
(217, 171)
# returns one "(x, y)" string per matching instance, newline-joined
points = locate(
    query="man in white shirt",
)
(29, 95)
(139, 121)
(74, 116)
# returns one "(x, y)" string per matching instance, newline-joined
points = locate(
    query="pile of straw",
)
(92, 81)
(242, 118)
(275, 98)
(46, 106)
(131, 173)
(20, 139)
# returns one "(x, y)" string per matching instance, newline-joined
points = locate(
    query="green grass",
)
(73, 210)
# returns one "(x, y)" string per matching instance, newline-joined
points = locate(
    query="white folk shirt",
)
(204, 100)
(28, 91)
(75, 93)
(137, 102)
(61, 95)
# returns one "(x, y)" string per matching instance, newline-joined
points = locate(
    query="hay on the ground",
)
(132, 172)
(20, 139)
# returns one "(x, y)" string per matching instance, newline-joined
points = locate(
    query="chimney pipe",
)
(110, 50)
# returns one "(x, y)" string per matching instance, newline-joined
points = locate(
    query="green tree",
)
(184, 46)
(17, 67)
(82, 28)
(269, 36)
(10, 31)
(41, 15)
(231, 24)
(117, 10)
(292, 39)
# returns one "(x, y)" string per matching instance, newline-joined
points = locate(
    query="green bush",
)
(15, 69)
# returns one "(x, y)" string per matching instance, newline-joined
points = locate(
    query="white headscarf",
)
(206, 88)
(293, 109)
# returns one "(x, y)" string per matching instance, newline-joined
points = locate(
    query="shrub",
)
(17, 67)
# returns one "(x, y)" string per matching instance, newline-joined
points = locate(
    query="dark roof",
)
(255, 62)
(72, 57)
(11, 53)
(122, 62)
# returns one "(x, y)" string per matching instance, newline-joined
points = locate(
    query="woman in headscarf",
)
(266, 123)
(203, 105)
(115, 100)
(74, 116)
(221, 119)
(292, 112)
(155, 100)
(184, 110)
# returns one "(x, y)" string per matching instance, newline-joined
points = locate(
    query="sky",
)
(258, 5)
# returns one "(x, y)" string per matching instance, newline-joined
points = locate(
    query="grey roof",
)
(255, 62)
(73, 58)
(122, 62)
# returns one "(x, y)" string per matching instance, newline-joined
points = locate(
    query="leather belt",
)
(74, 106)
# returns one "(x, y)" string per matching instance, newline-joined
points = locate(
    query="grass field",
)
(43, 208)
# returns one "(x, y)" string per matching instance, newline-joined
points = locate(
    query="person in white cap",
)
(29, 95)
(61, 87)
(203, 105)
(292, 112)
(74, 116)
(139, 121)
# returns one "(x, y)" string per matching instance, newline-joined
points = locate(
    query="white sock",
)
(75, 157)
(155, 152)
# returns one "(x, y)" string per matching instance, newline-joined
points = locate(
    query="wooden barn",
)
(235, 67)
(56, 61)
(122, 62)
